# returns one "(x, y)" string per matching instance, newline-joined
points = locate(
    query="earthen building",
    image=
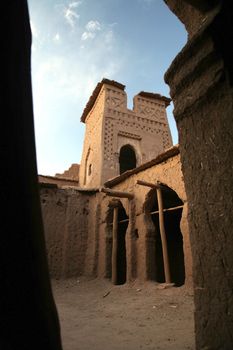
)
(107, 223)
(200, 78)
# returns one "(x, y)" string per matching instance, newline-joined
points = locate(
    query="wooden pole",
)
(168, 209)
(163, 236)
(122, 221)
(147, 184)
(114, 245)
(114, 193)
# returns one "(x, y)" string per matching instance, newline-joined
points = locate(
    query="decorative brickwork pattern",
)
(110, 125)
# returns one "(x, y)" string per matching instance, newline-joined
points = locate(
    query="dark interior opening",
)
(127, 158)
(121, 252)
(108, 242)
(173, 235)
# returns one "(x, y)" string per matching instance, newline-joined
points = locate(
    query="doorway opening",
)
(120, 263)
(127, 158)
(172, 211)
(121, 251)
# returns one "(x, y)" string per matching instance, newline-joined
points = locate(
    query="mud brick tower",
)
(118, 139)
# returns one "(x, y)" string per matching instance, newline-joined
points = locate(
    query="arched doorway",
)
(172, 212)
(127, 158)
(116, 248)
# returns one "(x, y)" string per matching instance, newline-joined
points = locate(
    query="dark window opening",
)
(86, 167)
(127, 158)
(89, 169)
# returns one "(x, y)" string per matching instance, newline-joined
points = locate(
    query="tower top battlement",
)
(141, 99)
(95, 94)
(118, 139)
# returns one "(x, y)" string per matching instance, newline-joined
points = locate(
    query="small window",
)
(127, 158)
(89, 169)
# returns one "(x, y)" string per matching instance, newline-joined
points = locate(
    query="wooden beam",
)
(163, 236)
(114, 245)
(168, 209)
(121, 221)
(114, 193)
(147, 184)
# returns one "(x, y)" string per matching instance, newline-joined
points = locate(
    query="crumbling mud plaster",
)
(65, 216)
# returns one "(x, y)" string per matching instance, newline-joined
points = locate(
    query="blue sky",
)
(75, 45)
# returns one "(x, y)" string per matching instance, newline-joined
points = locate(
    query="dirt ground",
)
(94, 314)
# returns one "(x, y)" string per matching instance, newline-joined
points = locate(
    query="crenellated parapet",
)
(116, 98)
(151, 106)
(110, 126)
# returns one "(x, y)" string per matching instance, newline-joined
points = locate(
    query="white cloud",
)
(71, 17)
(87, 35)
(70, 14)
(75, 4)
(93, 26)
(56, 37)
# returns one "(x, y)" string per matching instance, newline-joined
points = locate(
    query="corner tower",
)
(118, 139)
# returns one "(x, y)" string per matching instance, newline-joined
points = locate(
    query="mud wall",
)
(59, 181)
(201, 82)
(140, 231)
(65, 216)
(78, 225)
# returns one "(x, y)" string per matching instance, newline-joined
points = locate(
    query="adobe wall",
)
(90, 167)
(138, 236)
(78, 227)
(59, 181)
(201, 83)
(65, 216)
(145, 128)
(72, 173)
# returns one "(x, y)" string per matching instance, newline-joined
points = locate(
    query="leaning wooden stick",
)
(163, 236)
(114, 245)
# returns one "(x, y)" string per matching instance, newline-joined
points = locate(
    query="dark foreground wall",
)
(28, 317)
(201, 86)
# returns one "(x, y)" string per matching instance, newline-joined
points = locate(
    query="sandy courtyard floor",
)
(96, 315)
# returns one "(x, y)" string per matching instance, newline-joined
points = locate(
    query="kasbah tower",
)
(118, 139)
